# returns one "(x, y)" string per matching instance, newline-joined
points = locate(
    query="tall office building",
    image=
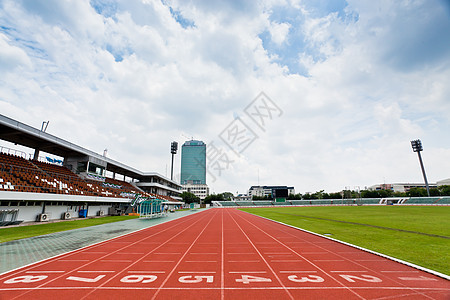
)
(193, 162)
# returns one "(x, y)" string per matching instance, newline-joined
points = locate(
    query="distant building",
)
(199, 190)
(443, 182)
(242, 197)
(399, 187)
(193, 168)
(268, 190)
(193, 162)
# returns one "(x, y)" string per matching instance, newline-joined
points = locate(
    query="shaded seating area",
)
(31, 176)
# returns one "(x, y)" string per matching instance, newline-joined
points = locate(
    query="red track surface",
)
(220, 254)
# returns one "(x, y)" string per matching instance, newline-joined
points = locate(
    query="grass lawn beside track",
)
(21, 232)
(427, 251)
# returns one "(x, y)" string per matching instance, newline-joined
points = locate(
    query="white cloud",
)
(11, 56)
(134, 79)
(279, 32)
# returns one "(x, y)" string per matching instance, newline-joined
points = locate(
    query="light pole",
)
(173, 150)
(417, 147)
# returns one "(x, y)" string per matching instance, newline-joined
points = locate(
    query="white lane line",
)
(237, 253)
(278, 253)
(158, 261)
(285, 260)
(182, 258)
(297, 271)
(116, 260)
(348, 271)
(162, 253)
(326, 260)
(199, 253)
(262, 257)
(201, 261)
(130, 253)
(76, 260)
(38, 272)
(156, 272)
(400, 271)
(96, 271)
(222, 265)
(99, 244)
(301, 256)
(94, 252)
(197, 272)
(331, 240)
(379, 260)
(247, 272)
(243, 261)
(425, 289)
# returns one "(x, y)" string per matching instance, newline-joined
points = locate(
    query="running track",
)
(220, 254)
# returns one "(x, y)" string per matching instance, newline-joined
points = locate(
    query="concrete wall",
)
(30, 205)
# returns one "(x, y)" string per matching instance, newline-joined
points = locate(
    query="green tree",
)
(294, 196)
(213, 197)
(227, 196)
(417, 192)
(189, 198)
(444, 190)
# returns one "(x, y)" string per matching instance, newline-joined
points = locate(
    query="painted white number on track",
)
(308, 278)
(367, 278)
(26, 279)
(249, 278)
(139, 278)
(74, 278)
(195, 279)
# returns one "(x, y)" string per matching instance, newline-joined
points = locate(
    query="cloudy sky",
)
(347, 85)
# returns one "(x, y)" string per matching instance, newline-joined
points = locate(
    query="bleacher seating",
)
(19, 174)
(228, 203)
(262, 203)
(244, 203)
(282, 203)
(422, 200)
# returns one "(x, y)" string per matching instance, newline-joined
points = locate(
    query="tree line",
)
(443, 190)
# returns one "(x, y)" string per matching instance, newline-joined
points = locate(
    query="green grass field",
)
(427, 245)
(21, 232)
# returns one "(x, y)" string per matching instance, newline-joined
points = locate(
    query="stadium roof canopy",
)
(19, 133)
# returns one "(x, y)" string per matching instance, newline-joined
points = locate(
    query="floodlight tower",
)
(173, 150)
(417, 147)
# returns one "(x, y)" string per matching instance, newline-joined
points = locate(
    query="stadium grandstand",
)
(40, 188)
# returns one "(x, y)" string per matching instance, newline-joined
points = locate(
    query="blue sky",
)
(354, 81)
